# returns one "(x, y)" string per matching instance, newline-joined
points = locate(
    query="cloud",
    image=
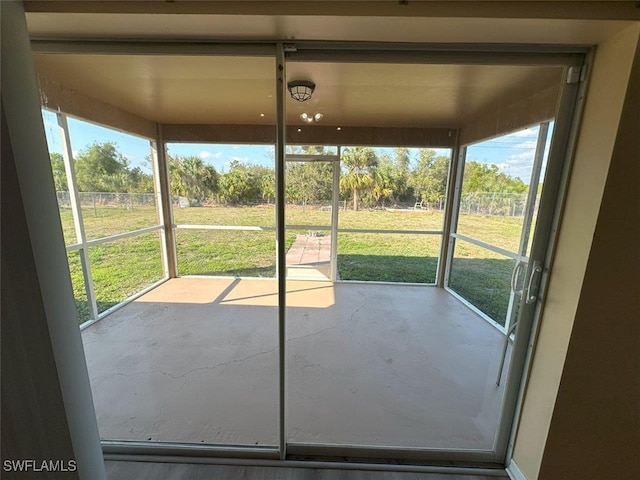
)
(531, 144)
(518, 165)
(204, 155)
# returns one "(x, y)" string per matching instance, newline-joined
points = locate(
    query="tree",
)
(101, 168)
(139, 181)
(487, 178)
(401, 174)
(386, 178)
(309, 182)
(241, 184)
(429, 178)
(190, 177)
(359, 163)
(268, 185)
(59, 172)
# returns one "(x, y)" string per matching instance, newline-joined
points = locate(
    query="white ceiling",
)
(241, 90)
(192, 89)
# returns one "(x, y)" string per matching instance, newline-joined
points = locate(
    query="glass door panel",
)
(374, 362)
(500, 188)
(195, 360)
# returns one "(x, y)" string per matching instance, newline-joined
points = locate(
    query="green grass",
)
(119, 269)
(124, 267)
(228, 252)
(388, 257)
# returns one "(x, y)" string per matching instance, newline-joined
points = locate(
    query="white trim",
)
(111, 238)
(457, 169)
(224, 227)
(76, 210)
(449, 203)
(122, 236)
(335, 209)
(394, 232)
(73, 247)
(488, 246)
(301, 227)
(161, 205)
(514, 471)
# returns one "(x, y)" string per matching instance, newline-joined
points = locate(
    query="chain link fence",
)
(498, 204)
(105, 199)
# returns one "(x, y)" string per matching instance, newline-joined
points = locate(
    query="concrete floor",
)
(195, 360)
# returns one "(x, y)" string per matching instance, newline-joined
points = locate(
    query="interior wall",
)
(598, 404)
(75, 428)
(596, 142)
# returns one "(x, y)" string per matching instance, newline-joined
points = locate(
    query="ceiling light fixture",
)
(305, 117)
(301, 90)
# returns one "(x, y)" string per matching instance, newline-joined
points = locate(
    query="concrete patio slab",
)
(196, 360)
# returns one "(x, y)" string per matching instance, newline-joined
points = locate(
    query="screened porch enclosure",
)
(340, 277)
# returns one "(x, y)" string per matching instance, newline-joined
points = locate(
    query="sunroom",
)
(354, 274)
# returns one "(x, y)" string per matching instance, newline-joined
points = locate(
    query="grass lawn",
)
(123, 267)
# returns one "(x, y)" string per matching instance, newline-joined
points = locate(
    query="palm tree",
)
(383, 183)
(192, 178)
(358, 162)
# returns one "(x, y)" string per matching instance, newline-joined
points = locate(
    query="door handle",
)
(531, 294)
(514, 277)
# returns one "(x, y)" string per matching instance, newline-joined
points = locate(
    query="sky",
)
(513, 154)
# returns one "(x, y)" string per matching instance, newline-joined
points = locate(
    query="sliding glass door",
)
(318, 199)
